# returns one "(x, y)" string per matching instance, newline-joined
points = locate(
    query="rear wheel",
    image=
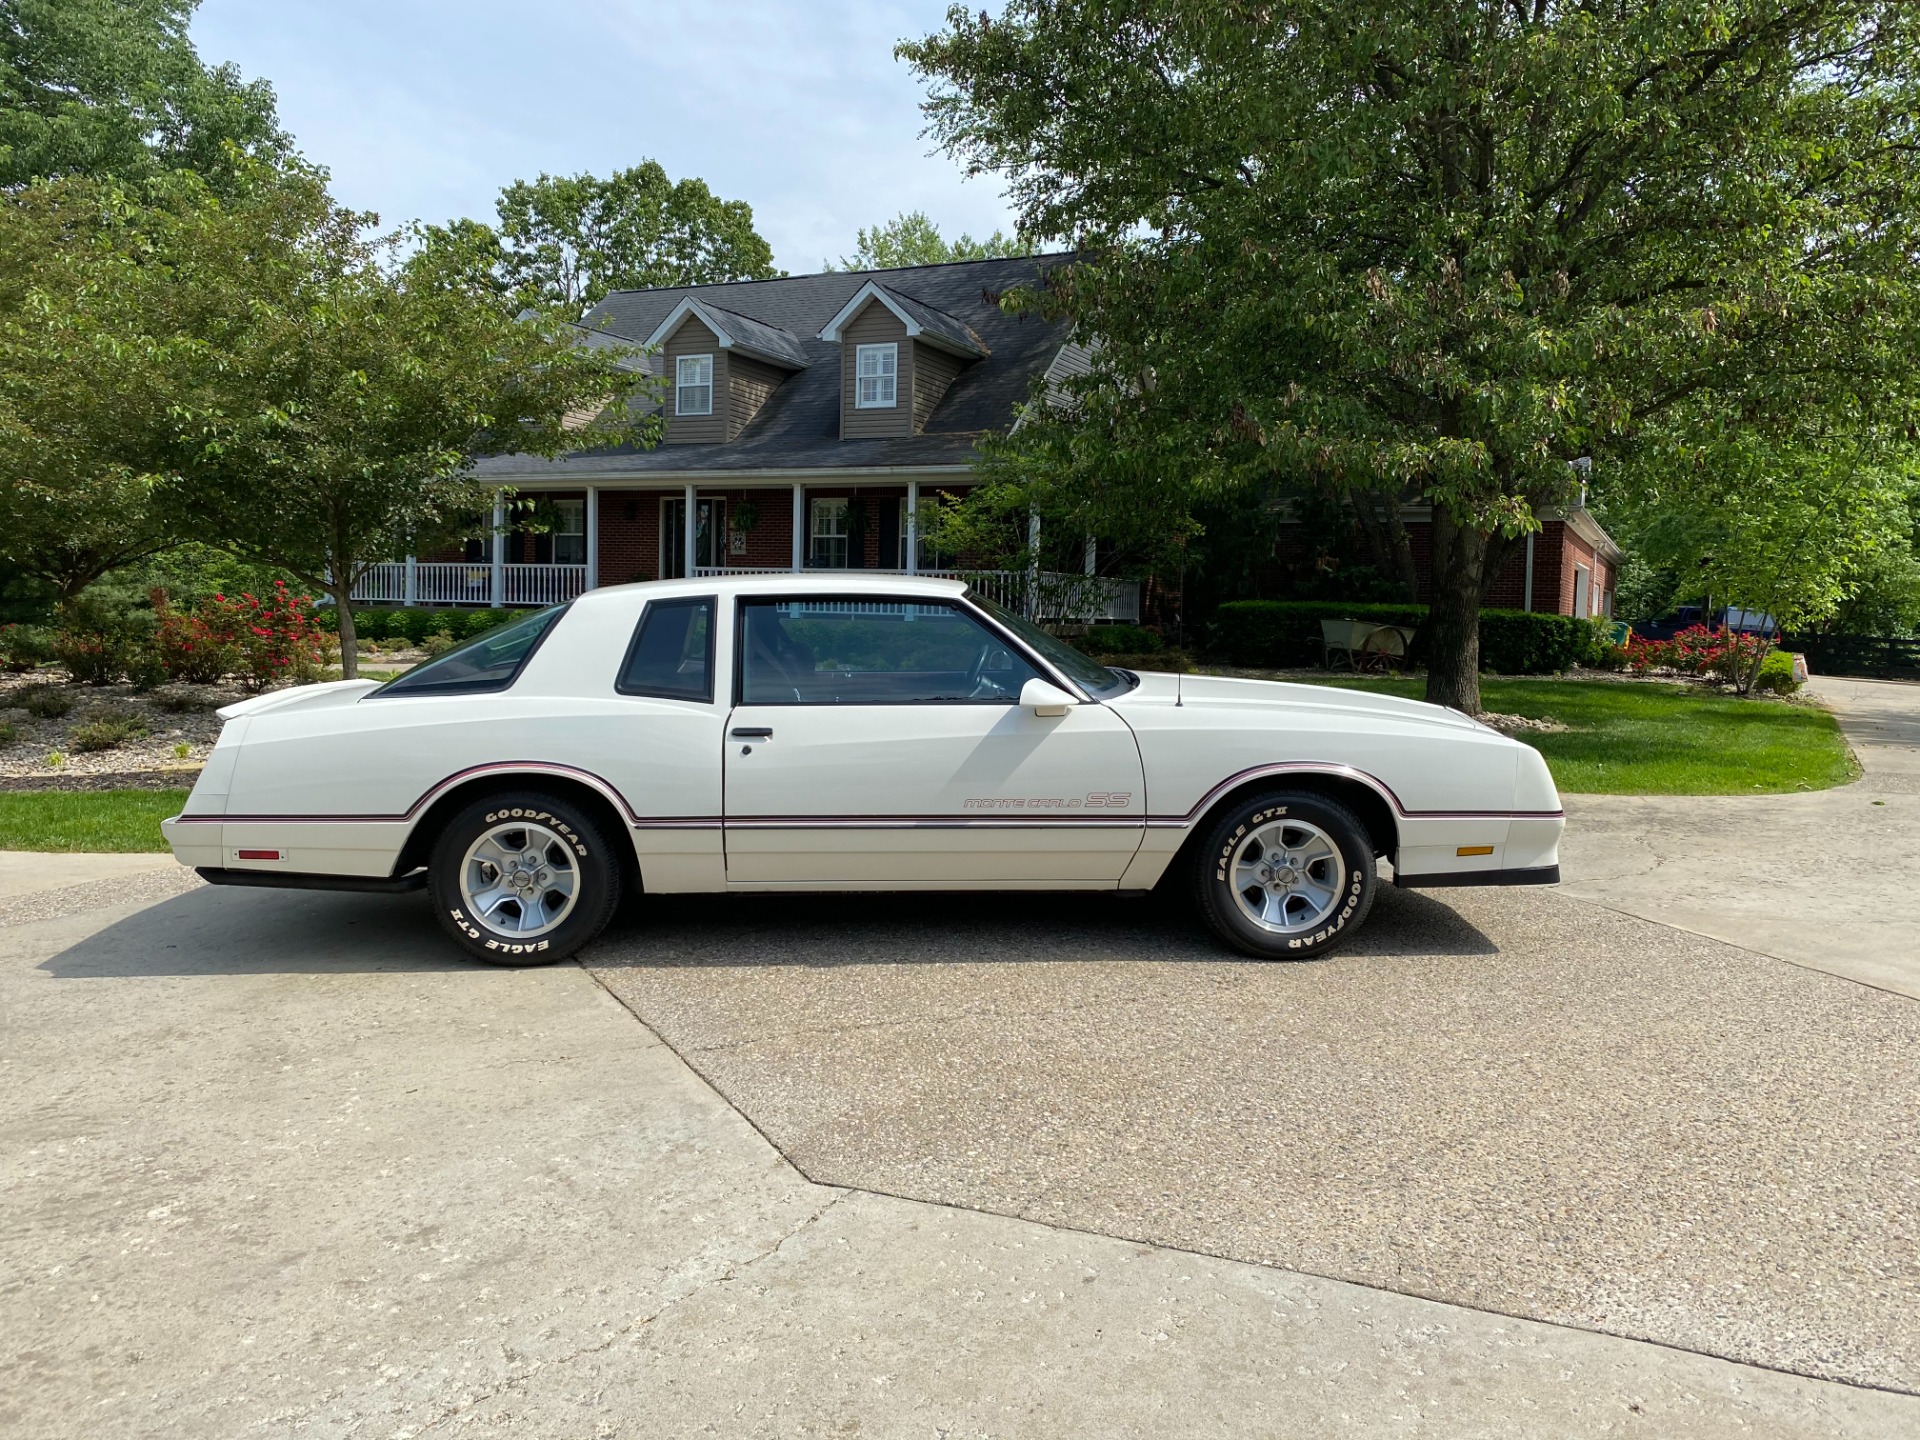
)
(1284, 875)
(523, 878)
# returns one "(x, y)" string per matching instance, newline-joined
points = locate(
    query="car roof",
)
(833, 582)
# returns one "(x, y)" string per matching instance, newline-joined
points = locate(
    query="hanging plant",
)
(743, 516)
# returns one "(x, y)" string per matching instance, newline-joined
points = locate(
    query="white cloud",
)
(425, 108)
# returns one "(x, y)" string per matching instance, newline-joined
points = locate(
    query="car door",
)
(879, 743)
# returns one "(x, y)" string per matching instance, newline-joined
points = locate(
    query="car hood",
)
(1325, 701)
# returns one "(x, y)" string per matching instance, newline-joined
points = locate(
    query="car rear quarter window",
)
(671, 656)
(486, 663)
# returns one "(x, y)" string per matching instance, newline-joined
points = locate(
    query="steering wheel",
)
(979, 687)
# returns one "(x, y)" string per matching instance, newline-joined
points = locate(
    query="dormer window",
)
(693, 385)
(876, 377)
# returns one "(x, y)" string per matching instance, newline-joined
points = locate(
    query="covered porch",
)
(618, 533)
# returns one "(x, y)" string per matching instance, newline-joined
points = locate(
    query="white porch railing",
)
(1046, 595)
(468, 583)
(1051, 595)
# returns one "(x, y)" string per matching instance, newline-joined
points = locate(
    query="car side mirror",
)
(1044, 699)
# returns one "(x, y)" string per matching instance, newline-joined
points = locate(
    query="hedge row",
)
(415, 624)
(1286, 634)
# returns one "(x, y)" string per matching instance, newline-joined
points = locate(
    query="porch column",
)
(497, 585)
(1033, 563)
(593, 537)
(692, 526)
(410, 593)
(913, 527)
(1527, 604)
(799, 526)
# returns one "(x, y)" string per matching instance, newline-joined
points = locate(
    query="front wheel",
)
(1284, 875)
(523, 878)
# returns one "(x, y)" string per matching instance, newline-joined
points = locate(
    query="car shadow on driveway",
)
(980, 927)
(213, 930)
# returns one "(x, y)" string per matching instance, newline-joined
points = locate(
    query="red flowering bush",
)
(189, 648)
(1723, 655)
(276, 638)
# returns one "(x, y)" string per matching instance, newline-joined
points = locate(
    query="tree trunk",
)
(343, 619)
(1453, 620)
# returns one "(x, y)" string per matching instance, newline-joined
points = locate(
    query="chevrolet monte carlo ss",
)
(793, 732)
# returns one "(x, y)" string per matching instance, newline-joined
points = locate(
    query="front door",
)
(879, 743)
(708, 543)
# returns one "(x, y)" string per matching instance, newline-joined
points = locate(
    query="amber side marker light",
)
(1474, 850)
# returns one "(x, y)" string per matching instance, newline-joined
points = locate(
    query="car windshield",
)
(1090, 675)
(487, 662)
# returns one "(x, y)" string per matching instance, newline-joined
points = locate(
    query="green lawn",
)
(1663, 739)
(86, 820)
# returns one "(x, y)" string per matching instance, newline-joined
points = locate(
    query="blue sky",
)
(423, 109)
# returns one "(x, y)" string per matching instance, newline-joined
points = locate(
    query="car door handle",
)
(752, 732)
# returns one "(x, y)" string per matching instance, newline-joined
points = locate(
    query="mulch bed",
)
(176, 779)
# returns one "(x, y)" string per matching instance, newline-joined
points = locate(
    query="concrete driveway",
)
(1826, 879)
(275, 1165)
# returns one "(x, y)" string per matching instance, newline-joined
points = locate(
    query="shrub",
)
(192, 649)
(277, 638)
(105, 727)
(1779, 674)
(1287, 633)
(102, 635)
(180, 698)
(44, 702)
(24, 646)
(1119, 640)
(1722, 655)
(438, 643)
(7, 733)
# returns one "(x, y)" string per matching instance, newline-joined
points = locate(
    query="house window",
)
(693, 385)
(828, 533)
(876, 370)
(570, 532)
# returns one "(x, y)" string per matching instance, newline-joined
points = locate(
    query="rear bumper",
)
(1536, 875)
(297, 880)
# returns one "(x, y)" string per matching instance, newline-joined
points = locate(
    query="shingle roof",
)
(799, 426)
(741, 332)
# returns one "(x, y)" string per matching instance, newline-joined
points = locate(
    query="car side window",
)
(827, 651)
(671, 656)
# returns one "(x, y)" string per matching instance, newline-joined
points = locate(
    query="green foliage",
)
(24, 646)
(413, 624)
(1776, 674)
(1287, 634)
(7, 733)
(910, 238)
(438, 643)
(1119, 640)
(97, 820)
(105, 633)
(115, 88)
(1442, 248)
(564, 241)
(1638, 738)
(44, 702)
(106, 727)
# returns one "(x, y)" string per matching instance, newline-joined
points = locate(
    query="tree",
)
(566, 240)
(1443, 248)
(1787, 530)
(90, 349)
(910, 238)
(114, 88)
(342, 396)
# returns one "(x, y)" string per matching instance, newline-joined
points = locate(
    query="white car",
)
(813, 732)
